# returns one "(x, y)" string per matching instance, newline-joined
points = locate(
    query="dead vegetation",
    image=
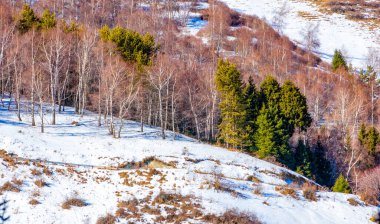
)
(7, 158)
(309, 192)
(40, 183)
(287, 191)
(8, 186)
(76, 202)
(232, 216)
(107, 219)
(34, 202)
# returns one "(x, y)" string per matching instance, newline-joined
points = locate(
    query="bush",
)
(34, 202)
(309, 192)
(353, 202)
(232, 217)
(341, 185)
(40, 183)
(287, 191)
(73, 202)
(108, 219)
(8, 186)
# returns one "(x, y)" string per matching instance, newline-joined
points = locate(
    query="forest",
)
(269, 97)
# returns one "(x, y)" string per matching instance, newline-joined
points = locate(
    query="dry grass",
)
(8, 186)
(35, 172)
(353, 202)
(47, 171)
(17, 182)
(309, 192)
(232, 217)
(258, 190)
(108, 219)
(40, 183)
(131, 205)
(7, 158)
(287, 191)
(73, 202)
(254, 179)
(34, 202)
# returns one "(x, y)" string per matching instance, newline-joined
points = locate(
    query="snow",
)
(335, 31)
(89, 150)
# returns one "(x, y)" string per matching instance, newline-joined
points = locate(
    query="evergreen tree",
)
(341, 185)
(303, 159)
(368, 76)
(339, 61)
(294, 108)
(253, 105)
(47, 20)
(321, 166)
(27, 19)
(232, 108)
(370, 138)
(271, 137)
(130, 44)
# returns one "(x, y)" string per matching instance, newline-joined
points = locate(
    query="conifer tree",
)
(370, 138)
(27, 19)
(339, 61)
(271, 137)
(321, 165)
(341, 185)
(294, 108)
(232, 108)
(253, 105)
(47, 20)
(303, 159)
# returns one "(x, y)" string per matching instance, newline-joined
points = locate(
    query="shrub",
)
(287, 191)
(40, 183)
(309, 192)
(232, 216)
(108, 219)
(8, 186)
(34, 202)
(353, 201)
(73, 202)
(369, 186)
(341, 185)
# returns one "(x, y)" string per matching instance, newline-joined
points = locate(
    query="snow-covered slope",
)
(80, 161)
(335, 31)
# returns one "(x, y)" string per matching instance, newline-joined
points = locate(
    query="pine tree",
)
(130, 44)
(341, 185)
(253, 105)
(47, 20)
(27, 19)
(232, 108)
(321, 166)
(294, 108)
(303, 159)
(271, 137)
(339, 61)
(370, 138)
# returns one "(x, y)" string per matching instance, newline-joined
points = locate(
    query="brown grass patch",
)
(73, 202)
(309, 192)
(232, 216)
(287, 191)
(353, 202)
(8, 186)
(34, 202)
(108, 219)
(40, 183)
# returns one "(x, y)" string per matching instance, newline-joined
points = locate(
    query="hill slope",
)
(335, 30)
(144, 179)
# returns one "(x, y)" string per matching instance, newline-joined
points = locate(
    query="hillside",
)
(336, 31)
(80, 160)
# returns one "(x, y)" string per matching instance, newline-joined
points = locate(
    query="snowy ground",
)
(335, 31)
(82, 161)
